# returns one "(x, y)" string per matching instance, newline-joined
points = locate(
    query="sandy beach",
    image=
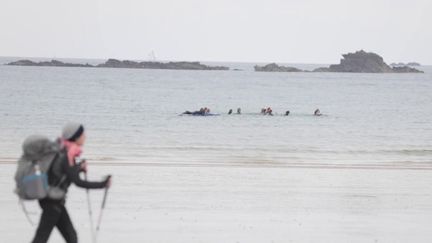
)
(168, 98)
(236, 204)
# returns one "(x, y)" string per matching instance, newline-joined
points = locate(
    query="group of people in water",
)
(264, 111)
(269, 111)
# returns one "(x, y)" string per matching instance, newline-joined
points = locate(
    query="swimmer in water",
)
(269, 111)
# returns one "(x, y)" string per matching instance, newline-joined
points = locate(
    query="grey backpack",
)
(31, 176)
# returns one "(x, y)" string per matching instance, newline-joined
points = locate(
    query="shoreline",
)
(243, 205)
(317, 166)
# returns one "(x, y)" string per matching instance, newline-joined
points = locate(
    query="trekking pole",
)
(90, 212)
(102, 210)
(26, 213)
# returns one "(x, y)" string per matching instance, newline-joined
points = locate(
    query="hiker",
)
(65, 170)
(317, 112)
(287, 113)
(238, 111)
(230, 112)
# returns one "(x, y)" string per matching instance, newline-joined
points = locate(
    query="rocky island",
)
(273, 67)
(365, 62)
(52, 63)
(357, 62)
(114, 63)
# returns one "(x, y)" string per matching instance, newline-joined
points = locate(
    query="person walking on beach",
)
(64, 171)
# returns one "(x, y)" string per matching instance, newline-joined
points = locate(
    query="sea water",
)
(133, 116)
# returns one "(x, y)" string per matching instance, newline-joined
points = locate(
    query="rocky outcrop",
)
(361, 62)
(406, 69)
(22, 63)
(365, 62)
(413, 64)
(273, 67)
(52, 63)
(322, 69)
(401, 64)
(113, 63)
(357, 62)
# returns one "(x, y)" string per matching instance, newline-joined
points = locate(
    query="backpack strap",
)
(62, 179)
(54, 171)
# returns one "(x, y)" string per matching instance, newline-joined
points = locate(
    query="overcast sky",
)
(293, 31)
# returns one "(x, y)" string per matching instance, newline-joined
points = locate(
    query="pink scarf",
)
(73, 151)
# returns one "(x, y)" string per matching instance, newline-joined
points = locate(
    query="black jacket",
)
(62, 174)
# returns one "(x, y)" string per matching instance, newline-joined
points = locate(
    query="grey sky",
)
(298, 31)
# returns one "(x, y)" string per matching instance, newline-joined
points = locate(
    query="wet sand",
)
(242, 204)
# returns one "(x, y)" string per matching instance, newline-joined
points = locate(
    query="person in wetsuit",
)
(65, 170)
(269, 111)
(202, 111)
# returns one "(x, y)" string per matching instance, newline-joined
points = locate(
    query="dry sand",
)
(238, 204)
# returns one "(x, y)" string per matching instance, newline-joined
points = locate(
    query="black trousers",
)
(54, 214)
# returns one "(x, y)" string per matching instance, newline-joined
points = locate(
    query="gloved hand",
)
(108, 181)
(83, 165)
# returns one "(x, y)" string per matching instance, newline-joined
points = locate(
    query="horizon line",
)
(178, 60)
(161, 60)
